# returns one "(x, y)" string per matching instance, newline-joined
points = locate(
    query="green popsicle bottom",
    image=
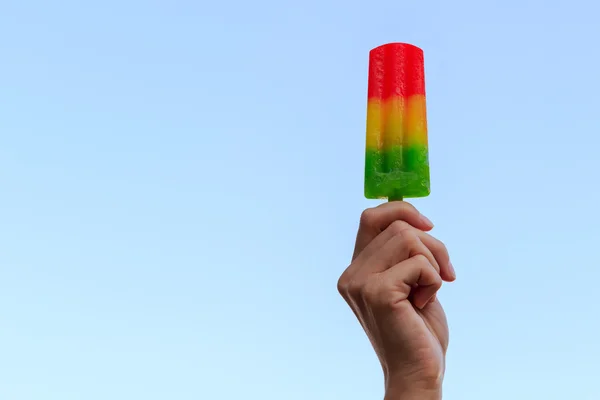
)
(396, 173)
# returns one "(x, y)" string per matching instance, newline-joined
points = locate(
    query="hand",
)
(391, 285)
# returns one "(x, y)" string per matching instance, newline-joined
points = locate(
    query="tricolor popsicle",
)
(397, 161)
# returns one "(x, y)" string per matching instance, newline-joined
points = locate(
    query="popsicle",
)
(397, 156)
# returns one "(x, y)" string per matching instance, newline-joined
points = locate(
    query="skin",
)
(391, 285)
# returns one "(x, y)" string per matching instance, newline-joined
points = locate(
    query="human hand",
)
(391, 285)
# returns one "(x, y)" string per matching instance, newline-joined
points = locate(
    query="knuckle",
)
(430, 270)
(422, 261)
(354, 289)
(342, 287)
(370, 291)
(437, 282)
(368, 217)
(378, 295)
(409, 237)
(408, 210)
(441, 248)
(409, 207)
(398, 226)
(342, 284)
(440, 251)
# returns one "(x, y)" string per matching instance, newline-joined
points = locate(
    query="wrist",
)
(407, 386)
(413, 394)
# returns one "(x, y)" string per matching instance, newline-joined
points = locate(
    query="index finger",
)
(375, 220)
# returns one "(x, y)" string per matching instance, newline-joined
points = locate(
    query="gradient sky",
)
(181, 183)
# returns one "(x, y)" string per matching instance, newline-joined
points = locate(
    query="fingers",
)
(390, 288)
(402, 242)
(440, 252)
(384, 249)
(394, 252)
(418, 271)
(373, 221)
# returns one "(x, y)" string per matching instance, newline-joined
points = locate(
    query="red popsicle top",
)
(396, 70)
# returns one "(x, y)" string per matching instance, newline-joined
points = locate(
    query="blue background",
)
(181, 183)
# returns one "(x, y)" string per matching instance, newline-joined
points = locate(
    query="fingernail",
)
(432, 299)
(451, 268)
(426, 220)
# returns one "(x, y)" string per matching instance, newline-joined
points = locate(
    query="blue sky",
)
(182, 180)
